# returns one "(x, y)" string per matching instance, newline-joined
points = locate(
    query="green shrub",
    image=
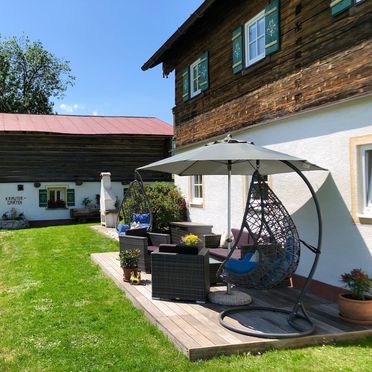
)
(167, 205)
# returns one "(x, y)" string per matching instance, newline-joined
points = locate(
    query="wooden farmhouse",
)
(51, 163)
(294, 76)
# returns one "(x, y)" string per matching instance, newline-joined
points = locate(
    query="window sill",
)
(53, 209)
(364, 218)
(196, 205)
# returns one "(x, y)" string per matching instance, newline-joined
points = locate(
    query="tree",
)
(30, 77)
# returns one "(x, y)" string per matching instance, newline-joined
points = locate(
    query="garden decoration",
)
(135, 279)
(233, 157)
(356, 306)
(134, 210)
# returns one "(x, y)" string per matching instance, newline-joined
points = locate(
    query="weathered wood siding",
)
(49, 157)
(322, 59)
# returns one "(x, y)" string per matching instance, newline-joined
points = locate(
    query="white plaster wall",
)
(321, 137)
(30, 203)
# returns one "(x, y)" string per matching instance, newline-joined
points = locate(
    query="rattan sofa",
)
(146, 245)
(177, 276)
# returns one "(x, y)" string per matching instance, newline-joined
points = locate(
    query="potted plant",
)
(129, 262)
(356, 306)
(190, 240)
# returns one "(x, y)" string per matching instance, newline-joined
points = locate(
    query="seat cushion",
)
(243, 266)
(122, 228)
(151, 248)
(136, 232)
(168, 248)
(244, 239)
(142, 218)
(221, 253)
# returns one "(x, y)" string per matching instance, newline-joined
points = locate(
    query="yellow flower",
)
(191, 240)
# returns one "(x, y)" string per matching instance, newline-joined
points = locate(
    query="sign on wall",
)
(14, 200)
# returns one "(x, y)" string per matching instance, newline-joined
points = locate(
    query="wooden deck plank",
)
(195, 330)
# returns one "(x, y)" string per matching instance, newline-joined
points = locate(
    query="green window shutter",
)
(186, 84)
(203, 72)
(339, 6)
(272, 28)
(43, 198)
(237, 49)
(70, 197)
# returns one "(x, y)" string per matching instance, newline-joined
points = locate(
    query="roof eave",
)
(157, 56)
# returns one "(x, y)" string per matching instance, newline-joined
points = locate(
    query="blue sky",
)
(106, 42)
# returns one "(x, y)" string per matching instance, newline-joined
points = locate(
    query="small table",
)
(214, 265)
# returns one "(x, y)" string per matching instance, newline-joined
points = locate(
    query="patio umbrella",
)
(230, 157)
(233, 157)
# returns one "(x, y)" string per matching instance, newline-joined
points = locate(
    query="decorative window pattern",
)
(54, 197)
(195, 78)
(257, 39)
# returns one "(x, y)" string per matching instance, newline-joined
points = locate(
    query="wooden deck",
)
(195, 330)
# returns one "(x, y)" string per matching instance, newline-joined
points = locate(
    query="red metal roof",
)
(84, 125)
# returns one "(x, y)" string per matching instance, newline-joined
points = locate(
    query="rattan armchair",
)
(177, 276)
(145, 244)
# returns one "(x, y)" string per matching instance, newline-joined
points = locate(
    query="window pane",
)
(261, 27)
(253, 32)
(253, 50)
(261, 46)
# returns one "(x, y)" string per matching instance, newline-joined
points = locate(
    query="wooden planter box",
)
(83, 214)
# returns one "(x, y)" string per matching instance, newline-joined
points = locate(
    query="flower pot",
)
(127, 272)
(355, 311)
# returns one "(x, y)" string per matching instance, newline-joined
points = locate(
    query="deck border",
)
(195, 353)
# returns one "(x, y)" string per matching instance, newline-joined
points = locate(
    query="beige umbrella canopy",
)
(217, 157)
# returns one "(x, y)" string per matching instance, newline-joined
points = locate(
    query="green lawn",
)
(59, 313)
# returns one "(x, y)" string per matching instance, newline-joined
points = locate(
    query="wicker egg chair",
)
(134, 207)
(272, 258)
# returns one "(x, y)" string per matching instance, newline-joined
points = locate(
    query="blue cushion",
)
(141, 218)
(242, 266)
(122, 228)
(144, 226)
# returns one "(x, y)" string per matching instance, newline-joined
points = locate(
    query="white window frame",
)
(193, 92)
(56, 188)
(197, 198)
(366, 180)
(251, 61)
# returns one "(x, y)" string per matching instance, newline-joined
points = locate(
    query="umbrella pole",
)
(229, 214)
(235, 297)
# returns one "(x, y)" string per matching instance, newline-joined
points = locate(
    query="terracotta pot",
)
(127, 272)
(355, 311)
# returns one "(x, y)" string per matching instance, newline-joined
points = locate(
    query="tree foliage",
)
(30, 77)
(167, 205)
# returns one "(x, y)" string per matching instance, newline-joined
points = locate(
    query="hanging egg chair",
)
(272, 258)
(134, 209)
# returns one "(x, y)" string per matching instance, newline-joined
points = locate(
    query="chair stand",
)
(291, 319)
